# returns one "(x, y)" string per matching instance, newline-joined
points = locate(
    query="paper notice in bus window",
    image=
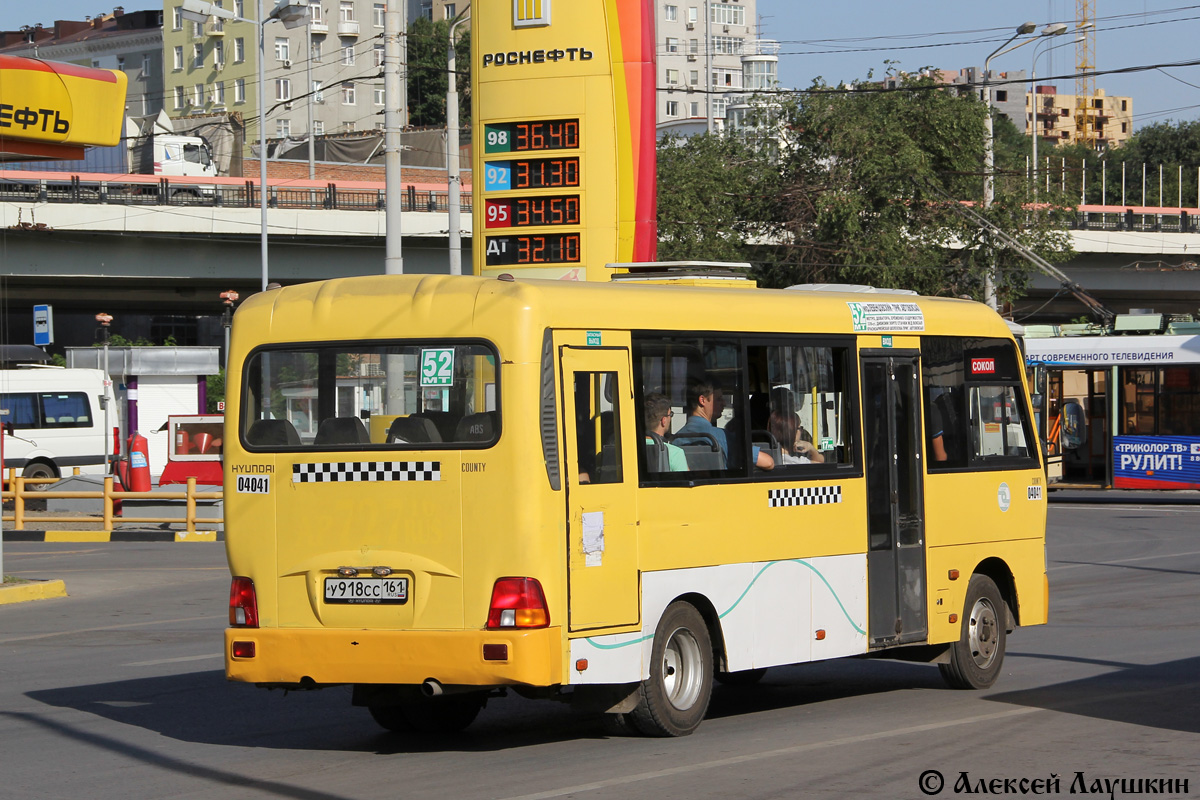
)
(593, 537)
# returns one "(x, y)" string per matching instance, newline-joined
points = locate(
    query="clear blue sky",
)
(842, 40)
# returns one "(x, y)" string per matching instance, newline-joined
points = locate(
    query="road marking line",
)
(102, 628)
(785, 751)
(1123, 561)
(179, 660)
(1124, 507)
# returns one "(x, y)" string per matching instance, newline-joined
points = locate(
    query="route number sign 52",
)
(437, 367)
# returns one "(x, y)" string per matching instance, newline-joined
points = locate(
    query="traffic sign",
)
(43, 325)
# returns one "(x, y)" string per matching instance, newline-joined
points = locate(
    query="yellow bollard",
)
(18, 485)
(108, 503)
(191, 505)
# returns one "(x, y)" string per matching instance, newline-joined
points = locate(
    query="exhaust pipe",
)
(431, 688)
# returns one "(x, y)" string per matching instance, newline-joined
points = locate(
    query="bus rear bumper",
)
(295, 656)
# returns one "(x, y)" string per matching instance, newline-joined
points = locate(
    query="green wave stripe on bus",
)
(741, 597)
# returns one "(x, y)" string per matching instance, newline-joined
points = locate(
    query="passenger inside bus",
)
(661, 455)
(699, 430)
(784, 425)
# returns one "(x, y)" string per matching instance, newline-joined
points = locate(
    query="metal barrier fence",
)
(1142, 220)
(19, 494)
(181, 192)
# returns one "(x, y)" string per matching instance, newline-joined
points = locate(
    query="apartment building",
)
(213, 67)
(435, 10)
(1111, 118)
(701, 45)
(131, 42)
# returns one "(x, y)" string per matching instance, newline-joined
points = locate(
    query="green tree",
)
(427, 74)
(711, 192)
(870, 189)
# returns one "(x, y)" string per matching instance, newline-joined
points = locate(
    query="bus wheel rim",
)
(983, 632)
(683, 673)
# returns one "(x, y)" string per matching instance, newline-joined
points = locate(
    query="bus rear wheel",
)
(674, 699)
(416, 713)
(976, 658)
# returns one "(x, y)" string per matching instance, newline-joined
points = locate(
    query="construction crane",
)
(1085, 74)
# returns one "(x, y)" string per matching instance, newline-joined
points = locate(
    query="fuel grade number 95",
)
(529, 212)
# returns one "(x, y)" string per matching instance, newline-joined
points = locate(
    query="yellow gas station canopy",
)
(51, 109)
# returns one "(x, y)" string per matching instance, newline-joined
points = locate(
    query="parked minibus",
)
(54, 420)
(483, 493)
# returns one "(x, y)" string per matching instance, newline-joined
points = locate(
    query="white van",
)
(53, 420)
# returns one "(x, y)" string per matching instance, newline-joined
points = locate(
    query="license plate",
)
(366, 591)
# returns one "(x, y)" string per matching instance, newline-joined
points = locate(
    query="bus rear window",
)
(360, 396)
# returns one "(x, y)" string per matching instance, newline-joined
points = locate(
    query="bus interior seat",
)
(446, 423)
(657, 459)
(342, 430)
(264, 432)
(412, 430)
(479, 427)
(706, 454)
(608, 464)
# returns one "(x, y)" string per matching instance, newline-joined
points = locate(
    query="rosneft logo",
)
(531, 13)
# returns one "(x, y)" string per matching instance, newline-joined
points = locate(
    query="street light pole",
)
(262, 139)
(453, 178)
(393, 259)
(293, 14)
(312, 161)
(989, 150)
(1049, 30)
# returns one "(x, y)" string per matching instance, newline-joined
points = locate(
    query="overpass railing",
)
(40, 187)
(1138, 219)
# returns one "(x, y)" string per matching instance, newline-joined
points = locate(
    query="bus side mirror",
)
(8, 428)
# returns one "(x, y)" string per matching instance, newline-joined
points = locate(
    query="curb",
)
(34, 590)
(114, 536)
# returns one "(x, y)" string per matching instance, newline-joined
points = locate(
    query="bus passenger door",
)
(895, 511)
(601, 474)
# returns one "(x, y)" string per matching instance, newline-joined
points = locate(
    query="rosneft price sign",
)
(564, 100)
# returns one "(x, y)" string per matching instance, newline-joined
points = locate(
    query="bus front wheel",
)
(976, 657)
(674, 699)
(416, 713)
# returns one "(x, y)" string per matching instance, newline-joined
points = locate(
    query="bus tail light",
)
(518, 603)
(243, 604)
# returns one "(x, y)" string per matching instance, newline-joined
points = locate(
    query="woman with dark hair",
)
(784, 425)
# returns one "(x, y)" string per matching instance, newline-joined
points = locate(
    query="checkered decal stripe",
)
(808, 496)
(367, 471)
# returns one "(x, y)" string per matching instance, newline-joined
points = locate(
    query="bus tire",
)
(38, 469)
(674, 699)
(744, 677)
(976, 658)
(416, 713)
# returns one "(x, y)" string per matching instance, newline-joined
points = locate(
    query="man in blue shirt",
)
(704, 406)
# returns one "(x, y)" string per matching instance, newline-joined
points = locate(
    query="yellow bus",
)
(443, 488)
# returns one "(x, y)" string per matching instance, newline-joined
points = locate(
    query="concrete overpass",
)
(157, 255)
